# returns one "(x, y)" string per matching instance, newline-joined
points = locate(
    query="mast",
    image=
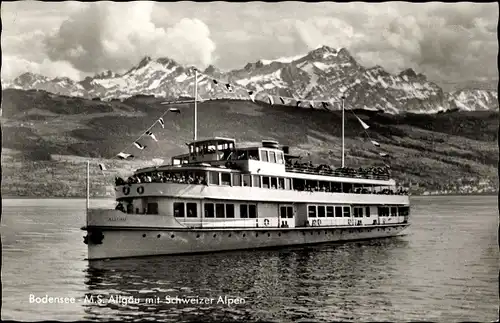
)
(195, 103)
(88, 187)
(343, 98)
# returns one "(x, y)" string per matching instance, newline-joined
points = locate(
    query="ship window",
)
(253, 154)
(283, 212)
(346, 188)
(329, 211)
(152, 208)
(225, 179)
(229, 210)
(281, 183)
(321, 211)
(191, 210)
(404, 211)
(214, 178)
(246, 180)
(236, 180)
(272, 157)
(289, 211)
(255, 180)
(252, 211)
(367, 213)
(338, 211)
(219, 210)
(243, 211)
(394, 211)
(179, 210)
(347, 211)
(209, 210)
(312, 211)
(279, 158)
(287, 183)
(274, 182)
(265, 182)
(263, 155)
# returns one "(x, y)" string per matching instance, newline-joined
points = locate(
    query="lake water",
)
(445, 269)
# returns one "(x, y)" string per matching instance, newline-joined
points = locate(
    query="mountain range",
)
(321, 74)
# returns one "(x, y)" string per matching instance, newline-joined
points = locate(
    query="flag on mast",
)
(139, 146)
(375, 143)
(152, 135)
(162, 123)
(252, 95)
(282, 101)
(102, 167)
(124, 155)
(364, 125)
(271, 101)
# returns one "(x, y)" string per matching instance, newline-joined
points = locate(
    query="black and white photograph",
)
(250, 161)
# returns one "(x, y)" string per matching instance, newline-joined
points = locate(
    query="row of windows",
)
(214, 210)
(358, 211)
(271, 156)
(387, 211)
(219, 178)
(226, 210)
(328, 211)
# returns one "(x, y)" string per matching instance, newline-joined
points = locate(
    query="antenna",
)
(195, 104)
(88, 189)
(343, 99)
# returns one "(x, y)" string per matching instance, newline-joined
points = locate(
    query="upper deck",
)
(270, 158)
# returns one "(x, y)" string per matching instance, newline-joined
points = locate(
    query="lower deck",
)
(219, 213)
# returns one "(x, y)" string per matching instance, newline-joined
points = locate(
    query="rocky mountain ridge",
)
(322, 74)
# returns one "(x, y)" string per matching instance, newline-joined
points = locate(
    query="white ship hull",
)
(136, 242)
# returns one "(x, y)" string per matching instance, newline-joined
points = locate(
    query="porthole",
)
(312, 233)
(229, 235)
(197, 236)
(172, 236)
(319, 232)
(215, 235)
(244, 235)
(325, 232)
(256, 235)
(279, 234)
(158, 236)
(144, 235)
(303, 233)
(268, 234)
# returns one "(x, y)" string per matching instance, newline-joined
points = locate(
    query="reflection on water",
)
(445, 269)
(273, 283)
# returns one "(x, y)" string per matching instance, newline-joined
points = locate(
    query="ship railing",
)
(336, 173)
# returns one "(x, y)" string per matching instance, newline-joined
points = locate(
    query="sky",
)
(444, 41)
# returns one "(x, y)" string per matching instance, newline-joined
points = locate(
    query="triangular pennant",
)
(176, 110)
(152, 135)
(364, 125)
(162, 123)
(375, 143)
(215, 82)
(252, 95)
(229, 87)
(139, 146)
(124, 155)
(325, 106)
(298, 103)
(383, 154)
(271, 101)
(102, 167)
(282, 101)
(311, 103)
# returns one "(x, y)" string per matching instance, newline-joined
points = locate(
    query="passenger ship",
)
(220, 196)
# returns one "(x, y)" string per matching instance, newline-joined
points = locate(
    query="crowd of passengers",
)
(161, 178)
(386, 191)
(374, 171)
(166, 177)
